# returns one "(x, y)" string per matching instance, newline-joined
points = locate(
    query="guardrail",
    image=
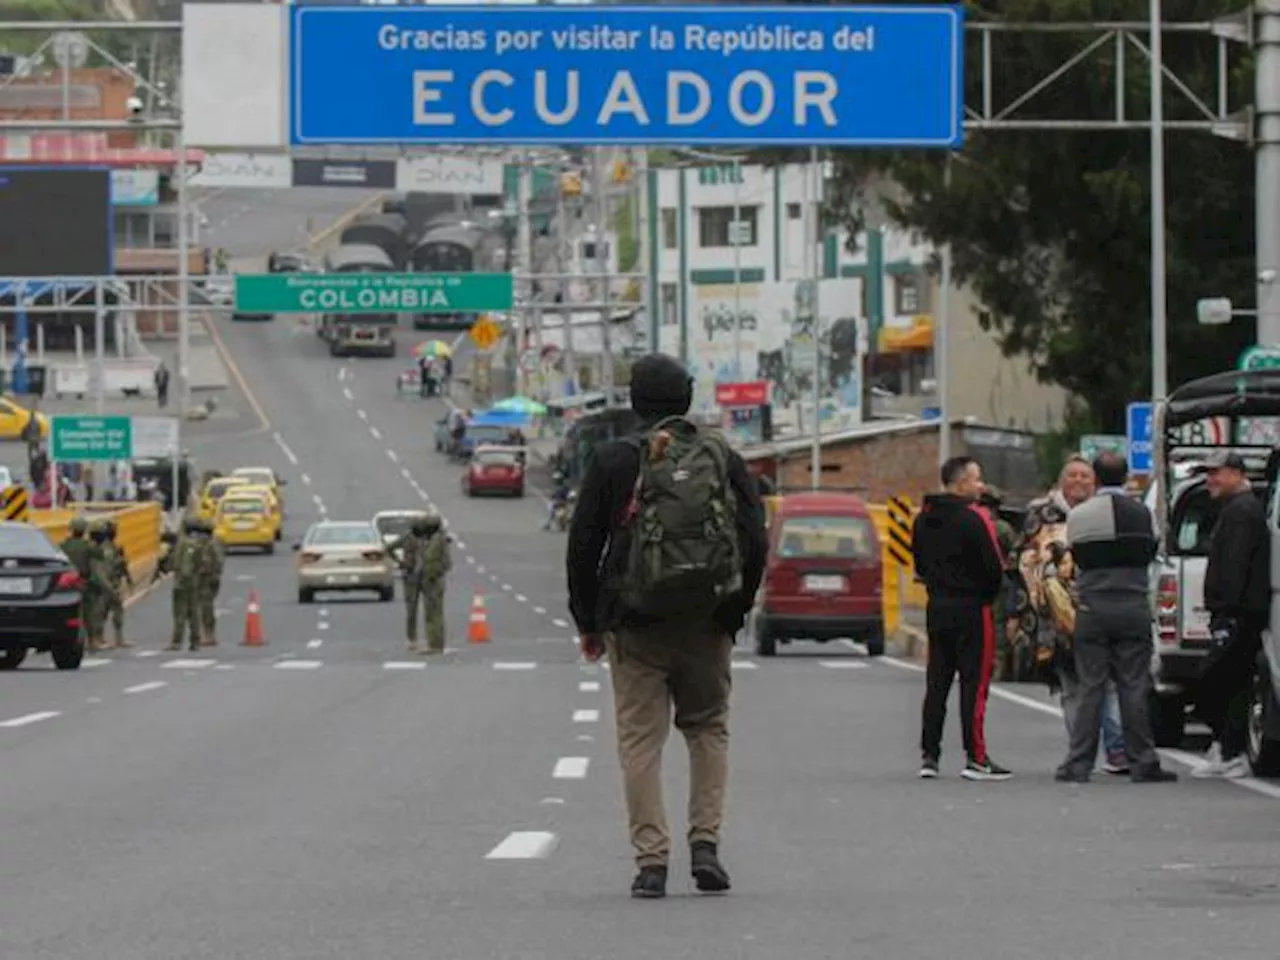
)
(138, 528)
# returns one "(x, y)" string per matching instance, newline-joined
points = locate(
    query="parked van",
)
(823, 579)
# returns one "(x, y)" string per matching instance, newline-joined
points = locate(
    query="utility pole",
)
(645, 262)
(601, 217)
(562, 288)
(1266, 87)
(942, 345)
(524, 244)
(736, 237)
(814, 175)
(1159, 318)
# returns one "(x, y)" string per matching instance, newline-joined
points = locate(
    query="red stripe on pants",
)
(984, 684)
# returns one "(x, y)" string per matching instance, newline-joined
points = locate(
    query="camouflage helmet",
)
(99, 531)
(112, 528)
(79, 524)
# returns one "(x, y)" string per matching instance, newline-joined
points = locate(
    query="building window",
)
(715, 226)
(794, 211)
(668, 314)
(670, 229)
(906, 296)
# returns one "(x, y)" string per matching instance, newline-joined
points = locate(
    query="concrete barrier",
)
(138, 528)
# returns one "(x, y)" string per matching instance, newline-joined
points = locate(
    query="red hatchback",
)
(495, 470)
(823, 579)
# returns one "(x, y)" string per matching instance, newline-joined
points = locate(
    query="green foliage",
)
(1051, 229)
(626, 226)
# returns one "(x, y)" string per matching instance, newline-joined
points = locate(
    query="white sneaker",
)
(1215, 768)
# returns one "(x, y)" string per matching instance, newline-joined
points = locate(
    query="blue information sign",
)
(873, 76)
(1138, 427)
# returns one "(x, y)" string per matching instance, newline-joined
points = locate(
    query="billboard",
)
(55, 222)
(864, 75)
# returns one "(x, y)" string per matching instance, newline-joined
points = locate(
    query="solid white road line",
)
(404, 665)
(515, 665)
(186, 664)
(571, 768)
(589, 686)
(29, 719)
(144, 687)
(524, 845)
(299, 664)
(586, 716)
(842, 664)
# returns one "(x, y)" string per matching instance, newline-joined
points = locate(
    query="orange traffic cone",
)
(253, 623)
(478, 628)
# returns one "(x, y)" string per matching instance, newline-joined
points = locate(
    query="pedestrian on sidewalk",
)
(1237, 593)
(1112, 540)
(666, 606)
(958, 558)
(162, 386)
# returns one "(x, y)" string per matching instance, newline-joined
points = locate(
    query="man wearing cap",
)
(1237, 594)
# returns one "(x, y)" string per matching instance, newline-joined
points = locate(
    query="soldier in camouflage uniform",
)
(186, 586)
(118, 564)
(426, 562)
(98, 593)
(212, 560)
(77, 547)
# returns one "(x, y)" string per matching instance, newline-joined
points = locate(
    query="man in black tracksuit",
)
(1237, 594)
(957, 555)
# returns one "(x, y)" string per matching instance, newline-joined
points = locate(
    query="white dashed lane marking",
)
(843, 664)
(29, 719)
(393, 456)
(313, 644)
(284, 447)
(94, 662)
(375, 433)
(362, 415)
(404, 472)
(346, 392)
(306, 479)
(560, 623)
(540, 611)
(299, 665)
(571, 768)
(589, 686)
(186, 664)
(739, 665)
(524, 845)
(506, 587)
(145, 687)
(521, 598)
(322, 625)
(586, 716)
(515, 665)
(403, 665)
(470, 559)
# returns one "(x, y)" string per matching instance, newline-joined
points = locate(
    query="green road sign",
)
(1259, 358)
(1092, 444)
(372, 293)
(90, 438)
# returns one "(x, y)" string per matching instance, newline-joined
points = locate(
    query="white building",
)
(879, 300)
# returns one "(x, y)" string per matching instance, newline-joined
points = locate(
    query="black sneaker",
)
(709, 874)
(1067, 775)
(1152, 775)
(928, 769)
(985, 771)
(650, 883)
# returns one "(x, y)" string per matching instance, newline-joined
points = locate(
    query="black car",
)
(287, 263)
(39, 599)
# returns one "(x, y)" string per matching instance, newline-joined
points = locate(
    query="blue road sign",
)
(1138, 426)
(871, 76)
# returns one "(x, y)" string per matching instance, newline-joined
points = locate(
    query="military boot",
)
(176, 645)
(122, 643)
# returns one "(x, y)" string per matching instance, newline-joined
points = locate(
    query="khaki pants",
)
(685, 667)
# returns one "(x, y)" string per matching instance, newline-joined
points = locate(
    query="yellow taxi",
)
(213, 493)
(247, 519)
(14, 417)
(267, 493)
(263, 477)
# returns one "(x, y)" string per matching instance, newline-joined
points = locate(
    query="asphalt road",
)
(330, 796)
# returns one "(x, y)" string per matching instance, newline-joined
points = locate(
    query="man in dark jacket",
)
(1237, 594)
(958, 558)
(657, 665)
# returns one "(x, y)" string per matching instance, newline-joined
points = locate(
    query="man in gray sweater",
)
(1112, 539)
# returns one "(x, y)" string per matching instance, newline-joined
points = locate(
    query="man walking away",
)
(162, 386)
(1237, 588)
(958, 558)
(666, 551)
(1113, 543)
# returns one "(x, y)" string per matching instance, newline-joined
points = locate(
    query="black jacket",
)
(956, 551)
(1238, 579)
(598, 544)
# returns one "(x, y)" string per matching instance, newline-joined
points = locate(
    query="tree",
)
(1051, 229)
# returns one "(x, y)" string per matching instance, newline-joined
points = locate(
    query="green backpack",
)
(683, 557)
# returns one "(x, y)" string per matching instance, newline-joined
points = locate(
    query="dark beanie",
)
(660, 387)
